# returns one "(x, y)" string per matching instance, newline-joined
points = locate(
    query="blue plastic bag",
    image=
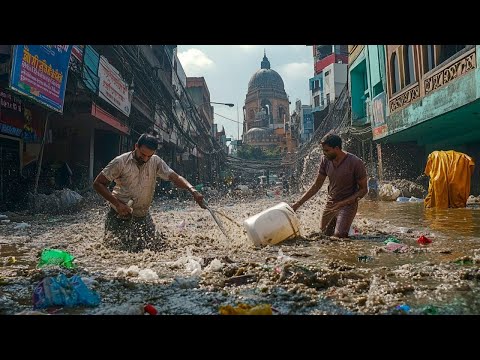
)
(61, 291)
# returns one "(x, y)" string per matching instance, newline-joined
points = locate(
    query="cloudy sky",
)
(228, 68)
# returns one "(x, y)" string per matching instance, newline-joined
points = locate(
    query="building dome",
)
(256, 133)
(265, 78)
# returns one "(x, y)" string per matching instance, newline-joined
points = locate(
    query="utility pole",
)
(238, 126)
(40, 156)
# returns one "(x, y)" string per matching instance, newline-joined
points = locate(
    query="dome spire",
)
(265, 63)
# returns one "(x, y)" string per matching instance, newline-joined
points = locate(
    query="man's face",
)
(142, 154)
(329, 152)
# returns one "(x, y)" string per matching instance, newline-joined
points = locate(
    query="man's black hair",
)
(332, 140)
(148, 140)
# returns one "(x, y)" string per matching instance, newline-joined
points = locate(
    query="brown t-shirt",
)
(343, 178)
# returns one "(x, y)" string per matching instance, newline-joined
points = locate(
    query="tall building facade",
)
(330, 63)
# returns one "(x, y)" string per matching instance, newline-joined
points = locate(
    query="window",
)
(316, 101)
(281, 113)
(328, 99)
(447, 51)
(327, 73)
(408, 65)
(428, 52)
(341, 49)
(394, 73)
(323, 51)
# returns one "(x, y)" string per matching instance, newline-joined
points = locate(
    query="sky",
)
(227, 69)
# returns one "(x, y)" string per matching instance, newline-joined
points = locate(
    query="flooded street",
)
(313, 274)
(99, 143)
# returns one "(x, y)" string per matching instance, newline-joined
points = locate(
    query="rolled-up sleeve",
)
(113, 169)
(163, 170)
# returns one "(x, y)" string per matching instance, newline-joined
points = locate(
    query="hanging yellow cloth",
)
(450, 173)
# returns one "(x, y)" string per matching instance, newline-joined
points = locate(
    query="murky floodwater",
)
(462, 224)
(309, 275)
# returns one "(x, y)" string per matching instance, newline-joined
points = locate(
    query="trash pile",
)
(58, 202)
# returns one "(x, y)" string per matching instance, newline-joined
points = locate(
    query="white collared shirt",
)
(136, 182)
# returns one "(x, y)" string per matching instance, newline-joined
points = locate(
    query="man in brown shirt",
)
(129, 225)
(347, 184)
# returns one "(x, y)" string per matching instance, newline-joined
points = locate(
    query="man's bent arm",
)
(360, 193)
(101, 186)
(312, 191)
(183, 183)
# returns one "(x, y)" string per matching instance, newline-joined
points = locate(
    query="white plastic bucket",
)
(273, 225)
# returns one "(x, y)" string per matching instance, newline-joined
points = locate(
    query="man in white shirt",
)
(130, 227)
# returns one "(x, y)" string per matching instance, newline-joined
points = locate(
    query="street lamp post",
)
(229, 105)
(226, 104)
(238, 117)
(219, 103)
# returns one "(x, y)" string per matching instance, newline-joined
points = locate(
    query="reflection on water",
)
(461, 223)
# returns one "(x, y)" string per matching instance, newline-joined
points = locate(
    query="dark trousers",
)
(338, 222)
(134, 234)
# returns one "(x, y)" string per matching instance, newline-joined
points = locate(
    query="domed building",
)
(266, 109)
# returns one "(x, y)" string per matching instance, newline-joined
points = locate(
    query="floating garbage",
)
(63, 291)
(21, 226)
(193, 266)
(56, 257)
(245, 309)
(388, 192)
(215, 265)
(181, 226)
(465, 260)
(396, 248)
(392, 239)
(404, 230)
(353, 231)
(148, 275)
(150, 309)
(273, 225)
(364, 258)
(403, 307)
(430, 310)
(423, 240)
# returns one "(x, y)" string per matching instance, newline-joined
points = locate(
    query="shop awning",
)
(108, 118)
